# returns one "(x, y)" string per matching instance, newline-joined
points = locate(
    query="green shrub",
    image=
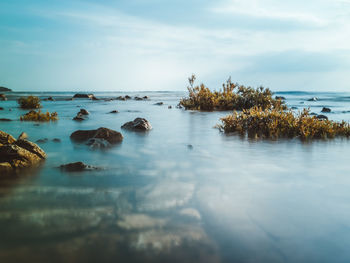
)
(231, 97)
(30, 102)
(276, 123)
(39, 116)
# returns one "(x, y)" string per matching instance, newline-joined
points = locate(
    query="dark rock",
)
(3, 89)
(56, 140)
(145, 97)
(138, 98)
(294, 108)
(83, 112)
(190, 146)
(280, 98)
(77, 167)
(159, 103)
(121, 98)
(127, 97)
(3, 97)
(94, 98)
(18, 154)
(322, 117)
(42, 140)
(313, 113)
(325, 109)
(313, 99)
(79, 117)
(36, 124)
(1, 108)
(139, 124)
(170, 107)
(114, 111)
(49, 99)
(179, 106)
(102, 133)
(4, 119)
(83, 96)
(23, 136)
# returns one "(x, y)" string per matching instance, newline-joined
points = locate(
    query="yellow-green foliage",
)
(276, 123)
(39, 116)
(231, 97)
(30, 102)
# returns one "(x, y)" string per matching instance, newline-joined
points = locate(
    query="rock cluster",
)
(17, 154)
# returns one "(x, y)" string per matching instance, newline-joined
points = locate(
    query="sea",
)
(182, 192)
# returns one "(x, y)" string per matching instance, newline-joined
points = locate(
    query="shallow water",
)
(226, 199)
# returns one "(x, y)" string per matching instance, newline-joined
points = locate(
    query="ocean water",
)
(225, 199)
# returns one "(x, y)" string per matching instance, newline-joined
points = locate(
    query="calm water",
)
(227, 199)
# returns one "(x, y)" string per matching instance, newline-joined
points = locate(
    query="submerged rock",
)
(322, 117)
(83, 112)
(97, 143)
(139, 124)
(4, 89)
(109, 135)
(159, 103)
(1, 108)
(114, 111)
(16, 154)
(5, 119)
(280, 98)
(138, 98)
(56, 140)
(42, 140)
(77, 167)
(49, 99)
(313, 99)
(325, 109)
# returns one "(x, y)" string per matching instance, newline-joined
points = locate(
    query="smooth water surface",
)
(222, 199)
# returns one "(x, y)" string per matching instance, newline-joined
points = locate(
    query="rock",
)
(313, 113)
(83, 96)
(94, 98)
(18, 154)
(6, 138)
(77, 167)
(3, 89)
(23, 136)
(56, 140)
(121, 98)
(138, 98)
(1, 108)
(3, 97)
(170, 107)
(83, 112)
(294, 108)
(139, 124)
(322, 117)
(79, 117)
(325, 109)
(109, 135)
(32, 147)
(313, 99)
(114, 111)
(49, 99)
(190, 146)
(127, 97)
(179, 106)
(145, 97)
(280, 98)
(159, 103)
(97, 143)
(5, 119)
(42, 140)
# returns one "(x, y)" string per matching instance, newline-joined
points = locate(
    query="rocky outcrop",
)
(127, 97)
(3, 89)
(139, 124)
(325, 109)
(17, 154)
(5, 119)
(109, 135)
(77, 167)
(83, 112)
(83, 96)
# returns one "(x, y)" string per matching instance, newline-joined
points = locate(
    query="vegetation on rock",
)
(257, 122)
(232, 97)
(39, 116)
(30, 102)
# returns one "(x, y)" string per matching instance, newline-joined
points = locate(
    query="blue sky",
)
(156, 44)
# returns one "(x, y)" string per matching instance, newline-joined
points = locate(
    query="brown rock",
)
(22, 136)
(6, 138)
(103, 133)
(139, 124)
(77, 167)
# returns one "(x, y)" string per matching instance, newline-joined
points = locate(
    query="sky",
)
(122, 45)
